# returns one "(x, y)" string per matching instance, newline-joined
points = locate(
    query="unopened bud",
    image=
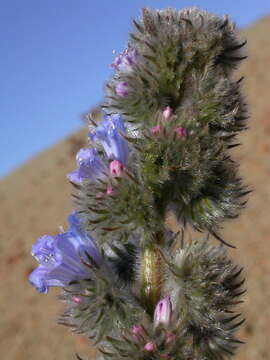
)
(122, 89)
(181, 132)
(163, 312)
(150, 346)
(167, 113)
(156, 130)
(76, 299)
(116, 168)
(138, 331)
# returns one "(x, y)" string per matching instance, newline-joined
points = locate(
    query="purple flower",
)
(125, 62)
(90, 166)
(108, 134)
(163, 312)
(60, 257)
(122, 88)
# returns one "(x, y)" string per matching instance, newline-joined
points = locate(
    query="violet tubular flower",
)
(90, 166)
(109, 135)
(60, 257)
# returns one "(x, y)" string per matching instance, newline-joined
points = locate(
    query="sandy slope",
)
(35, 200)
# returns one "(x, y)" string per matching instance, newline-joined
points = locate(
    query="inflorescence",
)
(171, 116)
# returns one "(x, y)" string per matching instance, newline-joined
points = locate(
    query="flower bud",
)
(76, 299)
(122, 89)
(156, 130)
(163, 312)
(150, 346)
(181, 132)
(116, 168)
(167, 113)
(138, 331)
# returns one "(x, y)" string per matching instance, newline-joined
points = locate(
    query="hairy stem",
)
(151, 276)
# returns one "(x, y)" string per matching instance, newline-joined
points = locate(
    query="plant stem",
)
(151, 275)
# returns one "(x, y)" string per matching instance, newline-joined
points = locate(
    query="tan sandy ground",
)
(35, 200)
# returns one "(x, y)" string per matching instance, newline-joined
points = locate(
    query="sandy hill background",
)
(35, 200)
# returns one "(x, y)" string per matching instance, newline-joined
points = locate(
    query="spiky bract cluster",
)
(184, 62)
(194, 177)
(103, 304)
(168, 343)
(208, 286)
(124, 213)
(205, 287)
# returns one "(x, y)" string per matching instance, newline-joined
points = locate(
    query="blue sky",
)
(55, 59)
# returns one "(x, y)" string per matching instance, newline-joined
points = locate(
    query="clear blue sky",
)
(55, 59)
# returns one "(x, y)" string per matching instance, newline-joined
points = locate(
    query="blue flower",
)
(60, 257)
(90, 166)
(108, 134)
